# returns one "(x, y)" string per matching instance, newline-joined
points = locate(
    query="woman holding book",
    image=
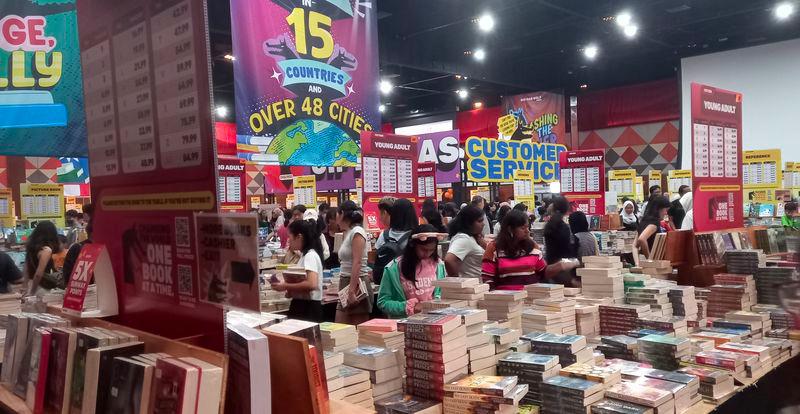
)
(306, 294)
(354, 270)
(467, 245)
(651, 223)
(408, 280)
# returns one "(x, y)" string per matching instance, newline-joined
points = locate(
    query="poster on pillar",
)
(41, 100)
(495, 160)
(231, 192)
(717, 158)
(537, 116)
(389, 168)
(306, 80)
(148, 103)
(583, 180)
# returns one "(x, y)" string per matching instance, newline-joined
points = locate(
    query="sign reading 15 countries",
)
(306, 80)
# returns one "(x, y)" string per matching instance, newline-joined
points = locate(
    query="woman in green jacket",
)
(408, 280)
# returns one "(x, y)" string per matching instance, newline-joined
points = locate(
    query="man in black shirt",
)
(9, 272)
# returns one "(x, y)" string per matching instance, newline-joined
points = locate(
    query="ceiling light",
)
(584, 86)
(222, 111)
(630, 30)
(624, 19)
(386, 87)
(486, 23)
(462, 93)
(784, 10)
(479, 54)
(230, 57)
(477, 105)
(590, 51)
(382, 108)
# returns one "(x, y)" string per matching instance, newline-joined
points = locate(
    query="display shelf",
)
(10, 403)
(344, 407)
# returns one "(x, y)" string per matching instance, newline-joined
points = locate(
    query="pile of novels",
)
(653, 295)
(683, 301)
(640, 395)
(253, 320)
(381, 333)
(715, 384)
(436, 353)
(587, 320)
(731, 361)
(607, 376)
(780, 349)
(467, 289)
(664, 351)
(433, 304)
(674, 325)
(727, 297)
(683, 387)
(338, 337)
(602, 277)
(480, 346)
(407, 404)
(756, 323)
(780, 317)
(754, 367)
(620, 318)
(659, 249)
(710, 248)
(543, 291)
(504, 305)
(658, 269)
(384, 373)
(630, 280)
(531, 369)
(562, 394)
(700, 345)
(717, 337)
(745, 262)
(483, 393)
(570, 349)
(356, 387)
(746, 280)
(769, 281)
(333, 363)
(505, 341)
(550, 315)
(619, 346)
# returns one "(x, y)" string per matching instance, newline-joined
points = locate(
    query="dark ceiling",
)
(535, 45)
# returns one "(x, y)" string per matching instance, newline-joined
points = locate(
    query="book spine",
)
(320, 386)
(425, 365)
(717, 362)
(473, 390)
(423, 336)
(437, 347)
(433, 376)
(415, 328)
(425, 356)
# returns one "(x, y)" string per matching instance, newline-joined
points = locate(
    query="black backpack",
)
(388, 251)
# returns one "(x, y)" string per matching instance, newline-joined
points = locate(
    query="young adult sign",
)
(389, 168)
(306, 79)
(231, 191)
(41, 101)
(716, 157)
(583, 179)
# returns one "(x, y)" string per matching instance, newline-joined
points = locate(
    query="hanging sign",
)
(583, 179)
(622, 182)
(523, 187)
(306, 80)
(305, 190)
(494, 160)
(761, 170)
(6, 208)
(42, 202)
(426, 181)
(231, 191)
(442, 148)
(677, 178)
(389, 168)
(537, 117)
(717, 158)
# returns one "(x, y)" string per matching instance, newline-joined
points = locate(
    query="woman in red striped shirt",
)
(513, 260)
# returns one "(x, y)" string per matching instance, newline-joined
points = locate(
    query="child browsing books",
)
(306, 294)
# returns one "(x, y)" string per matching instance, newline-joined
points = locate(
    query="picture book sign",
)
(537, 116)
(495, 160)
(42, 202)
(306, 80)
(583, 179)
(41, 100)
(442, 148)
(717, 158)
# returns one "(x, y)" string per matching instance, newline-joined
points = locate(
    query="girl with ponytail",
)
(304, 238)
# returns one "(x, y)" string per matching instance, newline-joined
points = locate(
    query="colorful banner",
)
(304, 188)
(73, 171)
(41, 101)
(228, 260)
(389, 168)
(761, 170)
(494, 160)
(537, 116)
(677, 178)
(443, 149)
(306, 80)
(231, 192)
(583, 180)
(717, 156)
(42, 202)
(622, 182)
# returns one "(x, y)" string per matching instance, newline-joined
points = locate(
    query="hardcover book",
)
(129, 390)
(175, 387)
(248, 387)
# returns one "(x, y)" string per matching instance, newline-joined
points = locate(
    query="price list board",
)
(623, 182)
(389, 167)
(42, 202)
(6, 210)
(231, 193)
(305, 190)
(523, 187)
(426, 181)
(677, 178)
(583, 179)
(761, 170)
(791, 175)
(653, 178)
(146, 88)
(717, 176)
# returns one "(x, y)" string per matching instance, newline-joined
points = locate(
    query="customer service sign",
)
(494, 160)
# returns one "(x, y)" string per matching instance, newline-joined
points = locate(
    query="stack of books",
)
(652, 295)
(338, 337)
(434, 304)
(684, 388)
(658, 269)
(780, 349)
(550, 315)
(562, 394)
(619, 346)
(659, 249)
(482, 393)
(480, 345)
(504, 305)
(607, 376)
(602, 277)
(756, 322)
(754, 368)
(531, 369)
(505, 342)
(356, 387)
(663, 351)
(570, 349)
(769, 281)
(778, 316)
(543, 291)
(725, 298)
(612, 406)
(710, 248)
(730, 361)
(407, 404)
(745, 262)
(746, 280)
(384, 372)
(470, 290)
(587, 320)
(620, 318)
(661, 401)
(572, 292)
(436, 353)
(717, 337)
(381, 333)
(630, 280)
(715, 384)
(683, 301)
(674, 325)
(333, 362)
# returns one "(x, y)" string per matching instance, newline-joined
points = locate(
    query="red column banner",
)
(231, 191)
(716, 158)
(389, 167)
(583, 179)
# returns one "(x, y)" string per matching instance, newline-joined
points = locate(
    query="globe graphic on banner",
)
(316, 143)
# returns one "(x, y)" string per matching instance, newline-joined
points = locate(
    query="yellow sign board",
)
(255, 201)
(639, 189)
(6, 208)
(761, 170)
(622, 182)
(42, 202)
(677, 178)
(305, 190)
(791, 175)
(654, 177)
(480, 191)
